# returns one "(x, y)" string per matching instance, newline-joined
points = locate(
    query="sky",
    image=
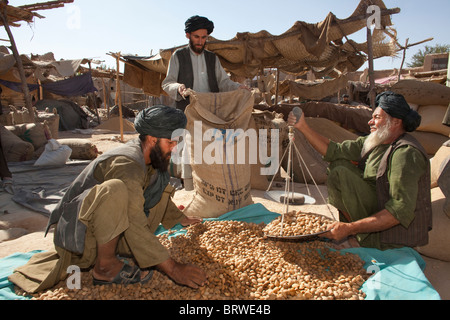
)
(94, 28)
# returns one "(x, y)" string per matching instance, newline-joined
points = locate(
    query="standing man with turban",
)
(194, 67)
(114, 208)
(379, 183)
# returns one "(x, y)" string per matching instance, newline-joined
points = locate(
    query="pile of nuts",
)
(297, 224)
(242, 265)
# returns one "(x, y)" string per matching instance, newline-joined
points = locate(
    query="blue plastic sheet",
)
(7, 266)
(397, 275)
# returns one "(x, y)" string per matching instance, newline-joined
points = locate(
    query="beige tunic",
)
(113, 208)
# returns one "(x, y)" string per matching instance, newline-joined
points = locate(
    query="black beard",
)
(159, 161)
(196, 50)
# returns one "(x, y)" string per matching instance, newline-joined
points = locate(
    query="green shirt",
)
(407, 165)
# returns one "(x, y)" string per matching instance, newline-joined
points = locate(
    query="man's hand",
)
(187, 221)
(293, 121)
(184, 274)
(338, 231)
(182, 91)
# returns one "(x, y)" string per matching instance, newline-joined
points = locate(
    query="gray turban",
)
(196, 23)
(396, 106)
(160, 121)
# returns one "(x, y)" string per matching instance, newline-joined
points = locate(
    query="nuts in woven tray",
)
(297, 224)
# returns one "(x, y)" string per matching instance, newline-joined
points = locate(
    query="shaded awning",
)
(323, 48)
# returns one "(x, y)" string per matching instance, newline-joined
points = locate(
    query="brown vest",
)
(186, 73)
(417, 232)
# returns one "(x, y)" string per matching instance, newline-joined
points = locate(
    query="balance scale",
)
(289, 196)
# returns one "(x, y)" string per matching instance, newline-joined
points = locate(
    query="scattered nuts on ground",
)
(241, 265)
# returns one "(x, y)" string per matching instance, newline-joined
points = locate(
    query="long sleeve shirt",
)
(405, 169)
(140, 236)
(170, 84)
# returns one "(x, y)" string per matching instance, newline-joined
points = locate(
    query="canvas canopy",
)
(44, 67)
(323, 48)
(312, 91)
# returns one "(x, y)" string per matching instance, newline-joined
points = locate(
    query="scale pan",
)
(276, 195)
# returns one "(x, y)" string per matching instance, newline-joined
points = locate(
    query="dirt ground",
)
(23, 230)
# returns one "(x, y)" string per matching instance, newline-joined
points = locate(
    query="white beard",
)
(377, 137)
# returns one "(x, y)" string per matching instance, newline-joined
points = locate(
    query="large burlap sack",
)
(37, 134)
(430, 141)
(221, 183)
(7, 119)
(331, 129)
(14, 148)
(52, 120)
(268, 121)
(423, 93)
(21, 116)
(308, 164)
(432, 116)
(82, 149)
(437, 164)
(439, 237)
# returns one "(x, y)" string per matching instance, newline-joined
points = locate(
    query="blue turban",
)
(196, 23)
(396, 106)
(160, 121)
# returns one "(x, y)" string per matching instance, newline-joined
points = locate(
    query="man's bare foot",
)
(108, 270)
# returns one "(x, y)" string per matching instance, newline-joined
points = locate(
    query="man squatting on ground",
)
(379, 183)
(115, 205)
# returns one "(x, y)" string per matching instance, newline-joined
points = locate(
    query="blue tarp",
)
(7, 266)
(398, 273)
(76, 86)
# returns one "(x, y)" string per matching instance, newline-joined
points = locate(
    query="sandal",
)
(128, 274)
(148, 277)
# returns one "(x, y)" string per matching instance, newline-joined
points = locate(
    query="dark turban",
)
(396, 106)
(196, 23)
(160, 121)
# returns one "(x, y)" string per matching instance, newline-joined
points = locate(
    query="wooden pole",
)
(94, 97)
(105, 97)
(277, 87)
(372, 93)
(403, 60)
(118, 95)
(41, 90)
(25, 90)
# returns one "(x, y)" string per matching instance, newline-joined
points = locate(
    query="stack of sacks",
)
(431, 101)
(431, 133)
(37, 134)
(14, 148)
(438, 246)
